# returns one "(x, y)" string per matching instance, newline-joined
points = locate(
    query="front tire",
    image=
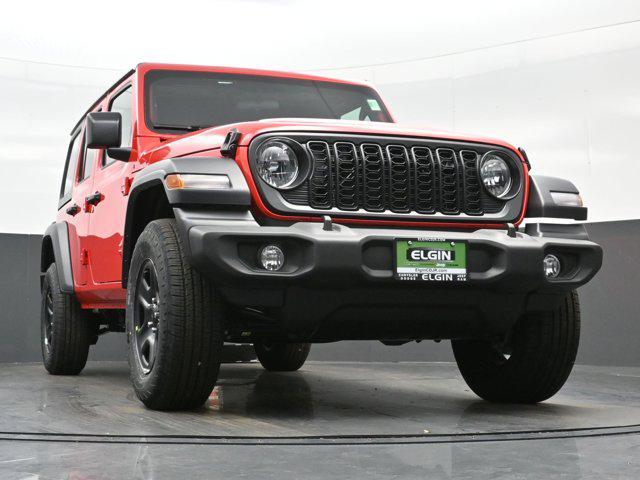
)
(541, 354)
(282, 357)
(66, 331)
(174, 323)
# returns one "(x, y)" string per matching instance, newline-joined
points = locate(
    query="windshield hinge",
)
(526, 158)
(230, 144)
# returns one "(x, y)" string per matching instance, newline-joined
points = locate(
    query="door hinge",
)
(126, 185)
(84, 257)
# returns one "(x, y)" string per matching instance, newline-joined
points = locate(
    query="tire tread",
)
(73, 330)
(544, 351)
(190, 355)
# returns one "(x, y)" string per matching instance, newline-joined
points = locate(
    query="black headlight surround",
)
(302, 157)
(514, 171)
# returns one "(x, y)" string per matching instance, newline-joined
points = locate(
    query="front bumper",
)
(339, 284)
(344, 256)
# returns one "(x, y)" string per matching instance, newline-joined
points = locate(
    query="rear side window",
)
(90, 155)
(122, 103)
(71, 166)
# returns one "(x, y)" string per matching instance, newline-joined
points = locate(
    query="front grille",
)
(397, 178)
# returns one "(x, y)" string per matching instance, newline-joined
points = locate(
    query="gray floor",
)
(331, 420)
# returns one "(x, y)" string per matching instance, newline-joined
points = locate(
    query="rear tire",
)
(542, 349)
(66, 329)
(174, 323)
(282, 357)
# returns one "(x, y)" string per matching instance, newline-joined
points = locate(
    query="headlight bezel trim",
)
(301, 157)
(516, 181)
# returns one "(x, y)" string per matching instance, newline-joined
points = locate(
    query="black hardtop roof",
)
(107, 92)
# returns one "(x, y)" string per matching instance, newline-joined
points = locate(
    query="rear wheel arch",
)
(55, 249)
(147, 202)
(47, 256)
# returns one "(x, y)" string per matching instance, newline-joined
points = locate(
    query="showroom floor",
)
(330, 420)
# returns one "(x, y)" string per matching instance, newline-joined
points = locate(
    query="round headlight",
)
(277, 164)
(495, 175)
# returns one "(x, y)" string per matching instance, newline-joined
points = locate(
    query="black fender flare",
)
(57, 236)
(541, 202)
(237, 195)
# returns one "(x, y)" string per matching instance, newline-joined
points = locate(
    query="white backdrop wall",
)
(572, 101)
(560, 78)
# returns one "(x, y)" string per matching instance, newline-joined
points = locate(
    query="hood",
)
(213, 138)
(253, 129)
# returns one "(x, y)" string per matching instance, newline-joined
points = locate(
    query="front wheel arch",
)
(148, 202)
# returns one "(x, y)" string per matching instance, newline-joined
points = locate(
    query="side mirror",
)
(104, 130)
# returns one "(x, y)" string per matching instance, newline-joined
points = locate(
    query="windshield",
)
(176, 100)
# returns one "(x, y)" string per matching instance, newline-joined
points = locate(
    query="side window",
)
(71, 164)
(89, 156)
(122, 103)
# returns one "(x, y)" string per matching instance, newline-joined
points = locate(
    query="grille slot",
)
(394, 178)
(399, 179)
(471, 180)
(425, 195)
(374, 175)
(448, 181)
(347, 176)
(320, 184)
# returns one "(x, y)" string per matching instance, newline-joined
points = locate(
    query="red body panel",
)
(100, 230)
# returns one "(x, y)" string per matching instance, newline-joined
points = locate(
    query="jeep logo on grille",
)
(429, 255)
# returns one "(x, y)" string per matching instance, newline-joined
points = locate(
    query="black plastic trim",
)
(339, 284)
(103, 130)
(238, 196)
(58, 234)
(541, 203)
(576, 231)
(230, 144)
(347, 256)
(525, 156)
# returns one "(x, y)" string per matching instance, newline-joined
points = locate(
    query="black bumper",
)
(346, 272)
(344, 256)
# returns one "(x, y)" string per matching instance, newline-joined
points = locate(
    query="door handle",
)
(73, 210)
(94, 199)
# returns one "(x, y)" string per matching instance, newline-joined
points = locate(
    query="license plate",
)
(431, 260)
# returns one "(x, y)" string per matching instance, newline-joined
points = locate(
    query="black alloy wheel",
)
(146, 317)
(47, 321)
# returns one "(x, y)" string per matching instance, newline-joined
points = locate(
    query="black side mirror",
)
(119, 153)
(104, 130)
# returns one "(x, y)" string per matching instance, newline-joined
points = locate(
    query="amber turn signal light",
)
(177, 181)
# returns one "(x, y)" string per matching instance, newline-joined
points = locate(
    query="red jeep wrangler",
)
(203, 205)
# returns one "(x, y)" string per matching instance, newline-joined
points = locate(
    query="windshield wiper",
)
(185, 128)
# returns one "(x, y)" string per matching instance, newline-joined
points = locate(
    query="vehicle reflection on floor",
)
(266, 399)
(335, 419)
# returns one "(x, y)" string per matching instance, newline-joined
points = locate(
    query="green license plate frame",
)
(430, 260)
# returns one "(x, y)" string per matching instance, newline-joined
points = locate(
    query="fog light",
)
(551, 266)
(272, 258)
